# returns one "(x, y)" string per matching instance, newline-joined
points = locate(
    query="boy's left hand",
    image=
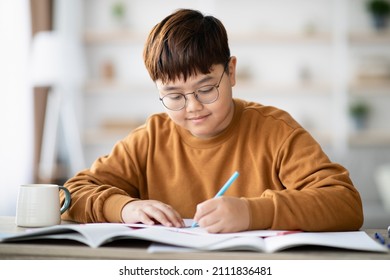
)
(223, 214)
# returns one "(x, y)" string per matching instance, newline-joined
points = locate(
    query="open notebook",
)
(96, 235)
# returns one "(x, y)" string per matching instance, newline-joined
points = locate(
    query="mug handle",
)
(66, 204)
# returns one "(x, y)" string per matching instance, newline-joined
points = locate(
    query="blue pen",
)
(223, 189)
(380, 238)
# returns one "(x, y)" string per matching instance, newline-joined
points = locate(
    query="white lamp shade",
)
(56, 60)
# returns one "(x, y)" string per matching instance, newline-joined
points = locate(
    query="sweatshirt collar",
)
(228, 132)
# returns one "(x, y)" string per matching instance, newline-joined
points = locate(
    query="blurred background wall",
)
(327, 62)
(16, 114)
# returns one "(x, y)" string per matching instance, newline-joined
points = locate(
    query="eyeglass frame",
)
(195, 92)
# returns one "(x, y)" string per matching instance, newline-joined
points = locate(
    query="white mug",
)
(38, 205)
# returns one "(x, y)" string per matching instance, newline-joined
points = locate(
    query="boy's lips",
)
(197, 118)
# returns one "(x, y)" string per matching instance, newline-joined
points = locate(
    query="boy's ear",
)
(232, 70)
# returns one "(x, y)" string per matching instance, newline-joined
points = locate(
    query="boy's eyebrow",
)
(201, 81)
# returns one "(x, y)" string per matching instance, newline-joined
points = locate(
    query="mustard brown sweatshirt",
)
(285, 177)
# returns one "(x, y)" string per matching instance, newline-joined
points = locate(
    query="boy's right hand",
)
(150, 212)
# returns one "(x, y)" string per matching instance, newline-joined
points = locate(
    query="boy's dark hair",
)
(184, 44)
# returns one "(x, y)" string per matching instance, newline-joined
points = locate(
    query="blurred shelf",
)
(113, 36)
(256, 37)
(369, 138)
(118, 87)
(100, 137)
(105, 135)
(130, 36)
(312, 88)
(370, 38)
(370, 86)
(322, 137)
(111, 129)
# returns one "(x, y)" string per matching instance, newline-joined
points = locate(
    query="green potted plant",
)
(118, 11)
(359, 112)
(380, 11)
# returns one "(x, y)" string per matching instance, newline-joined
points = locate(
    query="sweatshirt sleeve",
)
(316, 194)
(99, 193)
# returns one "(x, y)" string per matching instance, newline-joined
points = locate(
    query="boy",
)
(171, 167)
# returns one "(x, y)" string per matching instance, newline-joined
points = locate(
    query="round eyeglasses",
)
(204, 95)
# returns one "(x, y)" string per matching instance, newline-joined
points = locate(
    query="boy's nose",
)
(193, 104)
